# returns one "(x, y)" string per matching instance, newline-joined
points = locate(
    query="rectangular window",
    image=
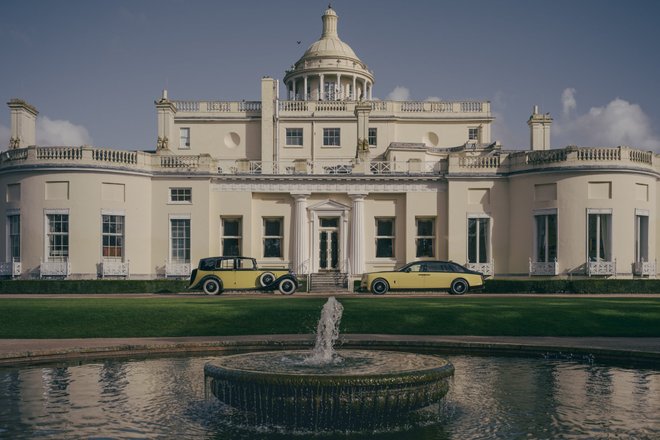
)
(478, 239)
(57, 228)
(641, 238)
(546, 238)
(231, 237)
(425, 237)
(184, 134)
(273, 237)
(373, 137)
(113, 236)
(180, 195)
(294, 136)
(14, 239)
(331, 137)
(599, 242)
(384, 238)
(180, 240)
(473, 134)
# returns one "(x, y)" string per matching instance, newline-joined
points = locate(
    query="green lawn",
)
(438, 315)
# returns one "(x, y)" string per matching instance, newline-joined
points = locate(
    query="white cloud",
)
(568, 101)
(618, 123)
(399, 93)
(58, 132)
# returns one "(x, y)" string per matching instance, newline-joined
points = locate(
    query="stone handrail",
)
(115, 156)
(599, 153)
(189, 161)
(390, 107)
(479, 161)
(59, 153)
(218, 106)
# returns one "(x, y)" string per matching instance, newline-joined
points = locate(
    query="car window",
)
(457, 268)
(417, 267)
(244, 263)
(207, 264)
(434, 266)
(226, 264)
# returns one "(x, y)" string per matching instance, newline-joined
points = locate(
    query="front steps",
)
(328, 282)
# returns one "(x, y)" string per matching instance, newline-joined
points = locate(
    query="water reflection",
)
(494, 398)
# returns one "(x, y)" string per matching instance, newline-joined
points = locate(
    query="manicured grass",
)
(202, 316)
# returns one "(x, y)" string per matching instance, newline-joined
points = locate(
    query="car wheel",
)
(266, 279)
(211, 286)
(459, 286)
(287, 287)
(379, 287)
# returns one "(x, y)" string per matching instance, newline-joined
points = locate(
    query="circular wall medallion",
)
(430, 139)
(232, 140)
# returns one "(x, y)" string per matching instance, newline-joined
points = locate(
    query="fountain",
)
(328, 389)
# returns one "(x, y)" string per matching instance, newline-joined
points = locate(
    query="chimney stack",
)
(23, 124)
(539, 130)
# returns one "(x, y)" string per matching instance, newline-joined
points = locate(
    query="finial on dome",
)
(329, 23)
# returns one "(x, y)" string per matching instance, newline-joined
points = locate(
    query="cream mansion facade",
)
(320, 177)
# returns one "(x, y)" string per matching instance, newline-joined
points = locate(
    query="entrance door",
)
(329, 243)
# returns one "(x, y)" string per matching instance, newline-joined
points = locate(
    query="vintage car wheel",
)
(459, 286)
(266, 279)
(211, 286)
(379, 287)
(287, 287)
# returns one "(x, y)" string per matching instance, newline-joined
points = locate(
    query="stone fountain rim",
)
(442, 370)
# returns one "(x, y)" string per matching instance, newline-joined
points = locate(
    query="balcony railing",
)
(601, 268)
(543, 268)
(60, 268)
(11, 268)
(177, 269)
(114, 268)
(428, 108)
(488, 269)
(645, 268)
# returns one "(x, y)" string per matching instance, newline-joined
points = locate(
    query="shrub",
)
(93, 286)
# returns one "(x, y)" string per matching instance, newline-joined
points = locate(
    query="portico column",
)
(357, 234)
(295, 84)
(339, 91)
(300, 248)
(321, 80)
(305, 88)
(354, 97)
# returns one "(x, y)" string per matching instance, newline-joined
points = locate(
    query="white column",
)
(301, 265)
(371, 87)
(295, 83)
(339, 91)
(321, 80)
(357, 234)
(354, 97)
(305, 88)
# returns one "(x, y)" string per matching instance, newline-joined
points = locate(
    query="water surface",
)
(489, 398)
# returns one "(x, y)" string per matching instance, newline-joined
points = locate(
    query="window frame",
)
(293, 139)
(279, 239)
(378, 238)
(550, 249)
(606, 251)
(13, 236)
(50, 235)
(181, 197)
(334, 136)
(224, 236)
(478, 257)
(118, 236)
(184, 145)
(641, 249)
(186, 239)
(372, 136)
(419, 237)
(474, 137)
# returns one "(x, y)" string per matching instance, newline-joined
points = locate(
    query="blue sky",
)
(94, 68)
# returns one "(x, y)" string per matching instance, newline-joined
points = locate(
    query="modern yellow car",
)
(424, 275)
(216, 274)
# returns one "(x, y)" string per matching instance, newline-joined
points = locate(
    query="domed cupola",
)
(329, 70)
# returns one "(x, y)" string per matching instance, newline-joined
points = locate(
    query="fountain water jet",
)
(326, 389)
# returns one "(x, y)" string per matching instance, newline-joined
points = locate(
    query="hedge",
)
(93, 286)
(584, 285)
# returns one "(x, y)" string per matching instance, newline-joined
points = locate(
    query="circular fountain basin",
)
(359, 389)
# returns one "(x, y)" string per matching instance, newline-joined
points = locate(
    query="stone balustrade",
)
(454, 162)
(218, 107)
(427, 108)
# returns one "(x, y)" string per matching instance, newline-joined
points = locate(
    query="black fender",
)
(199, 285)
(275, 284)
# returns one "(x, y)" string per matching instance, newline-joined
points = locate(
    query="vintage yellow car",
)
(216, 274)
(424, 275)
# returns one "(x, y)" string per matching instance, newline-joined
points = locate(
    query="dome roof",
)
(329, 47)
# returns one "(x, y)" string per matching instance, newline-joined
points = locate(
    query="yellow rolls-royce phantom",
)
(424, 275)
(216, 274)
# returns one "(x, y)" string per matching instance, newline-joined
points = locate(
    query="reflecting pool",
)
(488, 398)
